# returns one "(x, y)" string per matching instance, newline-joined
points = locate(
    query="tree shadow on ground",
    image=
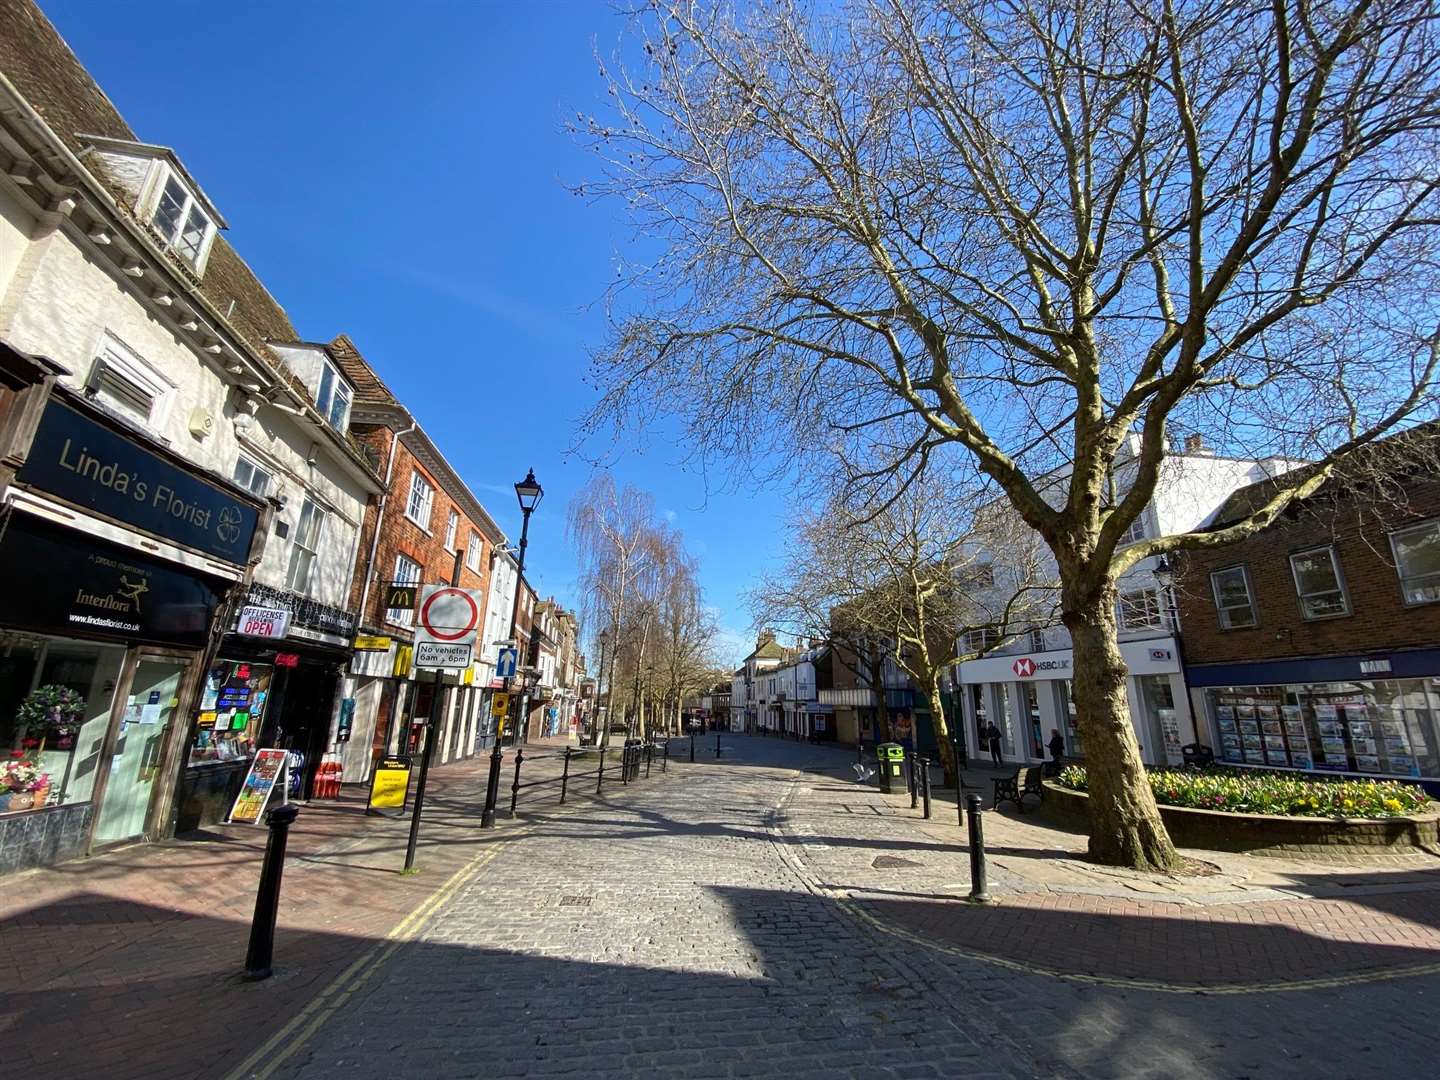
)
(799, 982)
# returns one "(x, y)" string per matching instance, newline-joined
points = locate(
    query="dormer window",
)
(183, 226)
(333, 398)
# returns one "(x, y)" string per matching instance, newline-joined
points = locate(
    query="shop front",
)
(275, 682)
(1027, 697)
(104, 631)
(1371, 716)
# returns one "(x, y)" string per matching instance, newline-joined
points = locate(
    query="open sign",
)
(263, 621)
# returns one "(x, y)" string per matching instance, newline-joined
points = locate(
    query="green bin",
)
(891, 757)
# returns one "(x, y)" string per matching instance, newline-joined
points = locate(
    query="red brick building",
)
(1315, 644)
(426, 528)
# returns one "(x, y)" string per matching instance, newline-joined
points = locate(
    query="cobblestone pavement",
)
(684, 928)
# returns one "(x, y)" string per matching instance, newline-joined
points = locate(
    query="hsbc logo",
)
(1025, 667)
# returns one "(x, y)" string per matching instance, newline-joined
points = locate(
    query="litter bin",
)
(891, 757)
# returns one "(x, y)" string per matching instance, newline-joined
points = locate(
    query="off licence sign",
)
(264, 621)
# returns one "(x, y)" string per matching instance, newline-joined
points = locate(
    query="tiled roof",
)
(36, 59)
(370, 389)
(1413, 451)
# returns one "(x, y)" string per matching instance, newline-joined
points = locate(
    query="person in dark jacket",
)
(992, 736)
(1057, 747)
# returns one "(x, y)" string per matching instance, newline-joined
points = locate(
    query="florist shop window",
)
(55, 699)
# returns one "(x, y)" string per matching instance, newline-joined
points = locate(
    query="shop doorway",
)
(139, 750)
(307, 705)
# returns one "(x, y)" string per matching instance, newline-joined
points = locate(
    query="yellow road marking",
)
(311, 1018)
(306, 1022)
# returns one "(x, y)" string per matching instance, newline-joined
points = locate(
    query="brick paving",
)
(689, 930)
(728, 921)
(139, 949)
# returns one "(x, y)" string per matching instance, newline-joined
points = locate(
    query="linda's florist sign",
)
(88, 464)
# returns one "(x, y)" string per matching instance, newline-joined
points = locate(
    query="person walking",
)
(1057, 749)
(992, 736)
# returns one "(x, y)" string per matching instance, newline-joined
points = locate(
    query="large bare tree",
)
(1052, 234)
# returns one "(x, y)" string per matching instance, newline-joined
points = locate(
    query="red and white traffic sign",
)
(448, 615)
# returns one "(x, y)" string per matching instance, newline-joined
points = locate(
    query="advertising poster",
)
(1270, 727)
(390, 785)
(259, 783)
(1301, 759)
(1367, 763)
(1295, 731)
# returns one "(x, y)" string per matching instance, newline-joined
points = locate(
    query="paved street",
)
(717, 923)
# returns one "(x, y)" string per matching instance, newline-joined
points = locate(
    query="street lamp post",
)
(528, 492)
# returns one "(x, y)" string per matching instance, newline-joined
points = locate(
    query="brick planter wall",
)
(1219, 831)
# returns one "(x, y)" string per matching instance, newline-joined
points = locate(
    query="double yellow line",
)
(282, 1045)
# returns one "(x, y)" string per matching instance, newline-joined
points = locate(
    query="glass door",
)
(135, 762)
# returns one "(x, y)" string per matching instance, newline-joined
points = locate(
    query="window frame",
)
(325, 401)
(126, 365)
(163, 177)
(1141, 522)
(474, 551)
(299, 546)
(452, 530)
(404, 617)
(1126, 601)
(1433, 523)
(1250, 600)
(255, 469)
(1340, 585)
(418, 477)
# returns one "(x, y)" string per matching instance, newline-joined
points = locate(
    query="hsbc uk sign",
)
(1026, 667)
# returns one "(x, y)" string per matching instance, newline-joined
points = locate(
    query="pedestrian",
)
(1057, 748)
(992, 736)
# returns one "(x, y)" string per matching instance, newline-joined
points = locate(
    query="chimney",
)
(1195, 444)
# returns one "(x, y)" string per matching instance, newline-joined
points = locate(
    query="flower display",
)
(53, 712)
(23, 776)
(1275, 794)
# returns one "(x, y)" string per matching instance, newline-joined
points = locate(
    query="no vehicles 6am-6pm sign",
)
(447, 618)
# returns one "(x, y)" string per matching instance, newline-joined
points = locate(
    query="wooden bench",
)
(1026, 781)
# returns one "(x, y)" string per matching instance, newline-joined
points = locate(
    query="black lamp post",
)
(528, 492)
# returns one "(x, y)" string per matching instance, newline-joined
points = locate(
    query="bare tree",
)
(936, 576)
(1044, 232)
(613, 533)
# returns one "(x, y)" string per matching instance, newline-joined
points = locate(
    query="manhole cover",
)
(890, 862)
(575, 901)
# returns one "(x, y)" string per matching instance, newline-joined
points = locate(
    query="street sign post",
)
(448, 617)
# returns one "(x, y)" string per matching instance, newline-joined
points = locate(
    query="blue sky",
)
(398, 173)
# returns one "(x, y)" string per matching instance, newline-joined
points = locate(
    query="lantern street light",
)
(529, 493)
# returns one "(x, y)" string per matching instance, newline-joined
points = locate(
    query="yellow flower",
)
(1393, 805)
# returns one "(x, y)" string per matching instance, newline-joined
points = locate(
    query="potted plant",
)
(53, 712)
(24, 785)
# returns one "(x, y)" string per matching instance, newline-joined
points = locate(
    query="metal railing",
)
(625, 764)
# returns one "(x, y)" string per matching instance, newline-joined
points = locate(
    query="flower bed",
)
(1273, 794)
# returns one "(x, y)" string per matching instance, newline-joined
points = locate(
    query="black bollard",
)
(979, 894)
(717, 742)
(914, 787)
(925, 785)
(600, 773)
(260, 954)
(692, 748)
(515, 786)
(565, 775)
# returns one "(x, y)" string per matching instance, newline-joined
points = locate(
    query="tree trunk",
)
(1125, 825)
(941, 723)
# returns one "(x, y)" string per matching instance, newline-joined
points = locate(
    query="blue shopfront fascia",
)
(1409, 664)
